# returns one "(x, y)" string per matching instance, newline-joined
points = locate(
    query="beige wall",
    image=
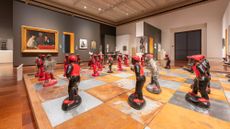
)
(207, 17)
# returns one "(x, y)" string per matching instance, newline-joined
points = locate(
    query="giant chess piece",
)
(95, 66)
(41, 67)
(168, 62)
(119, 62)
(110, 62)
(136, 100)
(49, 72)
(126, 60)
(66, 62)
(73, 74)
(153, 86)
(200, 83)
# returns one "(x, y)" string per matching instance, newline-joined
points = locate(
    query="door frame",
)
(71, 34)
(187, 42)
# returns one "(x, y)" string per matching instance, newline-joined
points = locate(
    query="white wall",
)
(225, 23)
(122, 40)
(209, 14)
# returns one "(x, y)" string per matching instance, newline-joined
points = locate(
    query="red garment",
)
(76, 70)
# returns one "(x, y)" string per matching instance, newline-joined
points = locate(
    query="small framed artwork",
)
(39, 40)
(93, 45)
(83, 44)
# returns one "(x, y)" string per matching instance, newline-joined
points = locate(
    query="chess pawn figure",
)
(73, 74)
(49, 72)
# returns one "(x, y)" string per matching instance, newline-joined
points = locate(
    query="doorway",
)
(68, 42)
(186, 44)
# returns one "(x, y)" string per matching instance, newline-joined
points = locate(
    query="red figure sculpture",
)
(126, 60)
(200, 67)
(95, 66)
(40, 64)
(119, 62)
(90, 64)
(73, 74)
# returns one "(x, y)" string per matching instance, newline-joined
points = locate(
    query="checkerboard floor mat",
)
(104, 102)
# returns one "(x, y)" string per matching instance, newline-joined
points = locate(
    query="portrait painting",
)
(38, 40)
(83, 44)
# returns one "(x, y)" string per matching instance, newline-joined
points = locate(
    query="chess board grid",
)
(42, 120)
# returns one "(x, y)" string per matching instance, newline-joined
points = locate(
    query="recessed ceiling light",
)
(99, 9)
(85, 7)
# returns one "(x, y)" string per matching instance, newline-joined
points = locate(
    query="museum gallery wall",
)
(28, 15)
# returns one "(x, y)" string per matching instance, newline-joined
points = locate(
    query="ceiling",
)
(114, 12)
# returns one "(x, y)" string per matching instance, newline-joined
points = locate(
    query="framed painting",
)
(83, 44)
(39, 40)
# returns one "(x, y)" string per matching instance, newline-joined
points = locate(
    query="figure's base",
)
(153, 89)
(50, 83)
(95, 74)
(77, 102)
(194, 100)
(137, 106)
(110, 71)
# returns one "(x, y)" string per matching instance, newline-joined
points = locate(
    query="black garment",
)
(73, 86)
(168, 64)
(201, 86)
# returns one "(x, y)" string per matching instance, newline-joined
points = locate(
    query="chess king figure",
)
(154, 86)
(110, 62)
(136, 99)
(73, 74)
(200, 82)
(49, 72)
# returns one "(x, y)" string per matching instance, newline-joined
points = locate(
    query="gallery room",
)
(115, 64)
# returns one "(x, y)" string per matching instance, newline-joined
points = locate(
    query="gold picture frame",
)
(38, 40)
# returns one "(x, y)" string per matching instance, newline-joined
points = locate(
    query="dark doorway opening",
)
(186, 44)
(67, 43)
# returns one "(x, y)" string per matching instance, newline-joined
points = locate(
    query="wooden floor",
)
(15, 111)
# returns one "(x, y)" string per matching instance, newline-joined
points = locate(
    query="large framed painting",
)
(83, 44)
(39, 40)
